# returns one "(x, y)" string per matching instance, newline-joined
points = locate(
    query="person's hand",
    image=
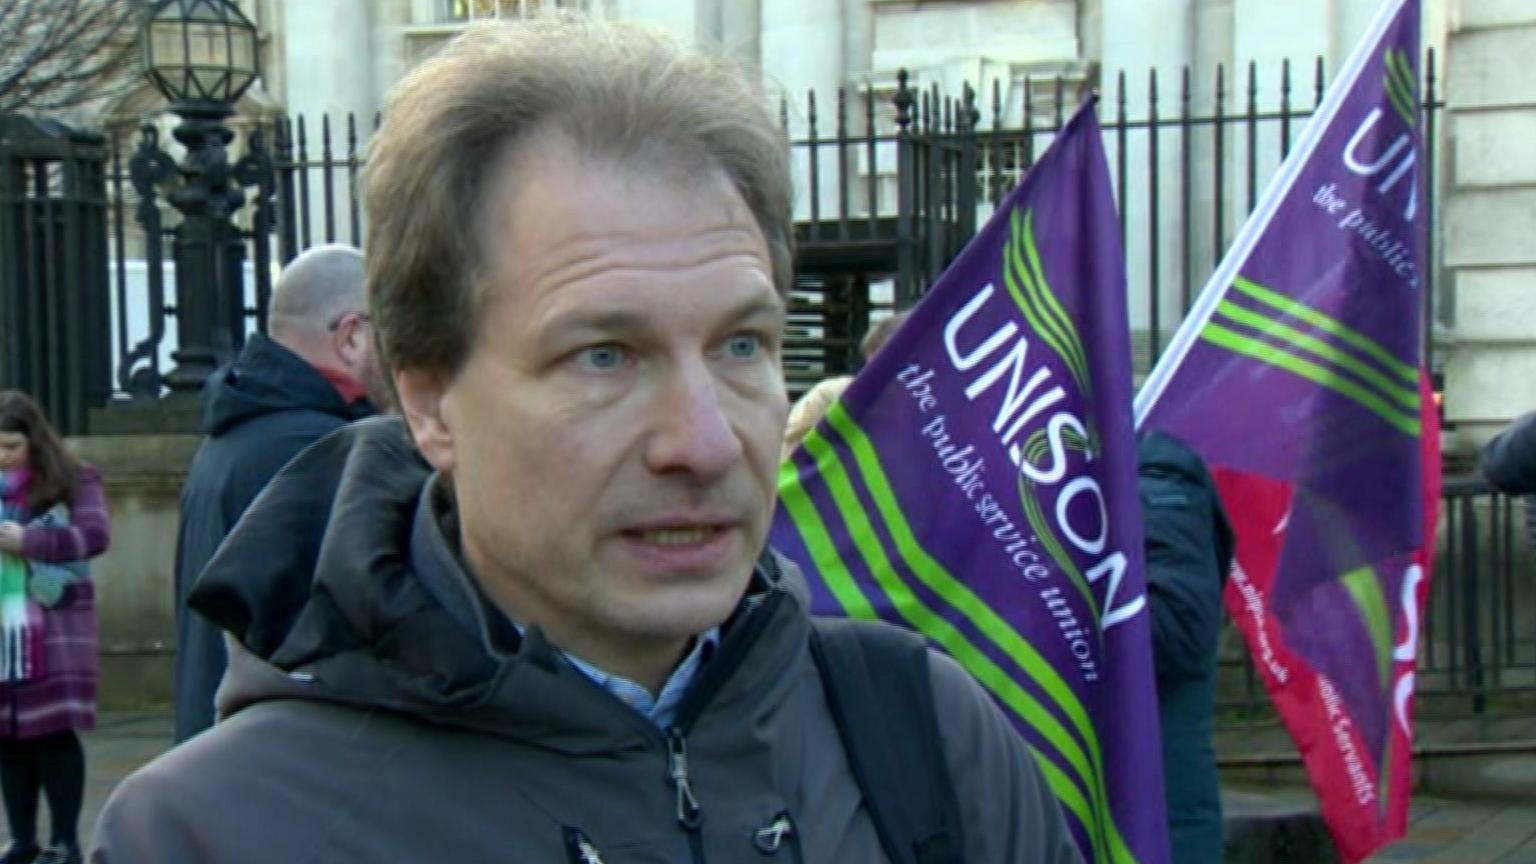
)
(10, 536)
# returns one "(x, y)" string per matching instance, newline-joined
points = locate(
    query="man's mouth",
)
(679, 536)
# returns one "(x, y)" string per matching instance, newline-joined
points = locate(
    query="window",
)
(456, 11)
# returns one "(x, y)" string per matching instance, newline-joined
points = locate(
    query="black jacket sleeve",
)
(1509, 460)
(1189, 548)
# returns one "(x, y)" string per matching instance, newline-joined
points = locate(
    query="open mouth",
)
(678, 536)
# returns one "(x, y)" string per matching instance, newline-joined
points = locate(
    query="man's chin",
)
(684, 611)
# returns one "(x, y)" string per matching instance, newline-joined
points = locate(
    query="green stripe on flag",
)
(1401, 85)
(910, 607)
(1279, 358)
(933, 574)
(1401, 70)
(1409, 399)
(1014, 276)
(818, 541)
(1026, 296)
(1053, 547)
(1037, 445)
(838, 579)
(1068, 794)
(1402, 103)
(1331, 326)
(1365, 589)
(1078, 360)
(1034, 273)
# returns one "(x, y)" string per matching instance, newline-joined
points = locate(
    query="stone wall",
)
(1489, 220)
(135, 578)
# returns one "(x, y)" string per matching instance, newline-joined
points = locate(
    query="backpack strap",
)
(876, 678)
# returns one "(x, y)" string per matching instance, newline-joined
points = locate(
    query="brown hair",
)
(54, 469)
(613, 90)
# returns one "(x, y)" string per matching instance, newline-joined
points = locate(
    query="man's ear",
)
(350, 341)
(421, 402)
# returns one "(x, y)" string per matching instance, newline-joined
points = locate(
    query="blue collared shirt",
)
(662, 708)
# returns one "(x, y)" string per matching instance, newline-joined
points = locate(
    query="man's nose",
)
(692, 430)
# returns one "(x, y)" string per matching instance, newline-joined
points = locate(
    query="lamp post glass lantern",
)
(201, 54)
(200, 51)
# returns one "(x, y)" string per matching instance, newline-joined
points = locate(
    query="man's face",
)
(371, 376)
(352, 348)
(613, 439)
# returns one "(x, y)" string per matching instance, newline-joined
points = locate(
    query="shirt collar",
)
(346, 386)
(660, 709)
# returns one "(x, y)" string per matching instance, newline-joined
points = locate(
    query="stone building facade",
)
(340, 56)
(1488, 308)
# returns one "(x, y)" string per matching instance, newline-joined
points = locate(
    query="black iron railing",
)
(892, 184)
(53, 268)
(1477, 638)
(1479, 641)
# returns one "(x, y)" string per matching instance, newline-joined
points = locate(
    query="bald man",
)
(314, 373)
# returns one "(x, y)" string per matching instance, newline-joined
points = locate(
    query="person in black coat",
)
(313, 375)
(1509, 460)
(1509, 463)
(1189, 550)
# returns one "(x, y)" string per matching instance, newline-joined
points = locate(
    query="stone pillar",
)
(858, 41)
(1488, 289)
(741, 25)
(391, 60)
(143, 474)
(1268, 33)
(802, 45)
(1127, 49)
(679, 19)
(329, 51)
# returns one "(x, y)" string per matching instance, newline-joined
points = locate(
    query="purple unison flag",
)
(1297, 377)
(977, 483)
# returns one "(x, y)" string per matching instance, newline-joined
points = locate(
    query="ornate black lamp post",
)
(201, 54)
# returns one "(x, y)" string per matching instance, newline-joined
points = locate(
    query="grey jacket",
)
(382, 711)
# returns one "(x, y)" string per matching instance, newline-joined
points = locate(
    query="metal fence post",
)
(906, 197)
(965, 198)
(53, 267)
(1471, 629)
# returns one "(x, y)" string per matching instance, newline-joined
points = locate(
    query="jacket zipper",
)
(779, 834)
(690, 816)
(690, 812)
(579, 848)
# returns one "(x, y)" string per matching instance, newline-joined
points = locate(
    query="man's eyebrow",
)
(774, 306)
(606, 318)
(621, 319)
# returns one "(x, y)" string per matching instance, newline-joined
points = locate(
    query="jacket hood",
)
(339, 585)
(267, 378)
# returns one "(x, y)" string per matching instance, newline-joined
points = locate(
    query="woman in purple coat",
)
(53, 518)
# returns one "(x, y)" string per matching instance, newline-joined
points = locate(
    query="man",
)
(536, 621)
(1189, 548)
(282, 394)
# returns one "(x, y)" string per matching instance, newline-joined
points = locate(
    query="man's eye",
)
(744, 346)
(601, 357)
